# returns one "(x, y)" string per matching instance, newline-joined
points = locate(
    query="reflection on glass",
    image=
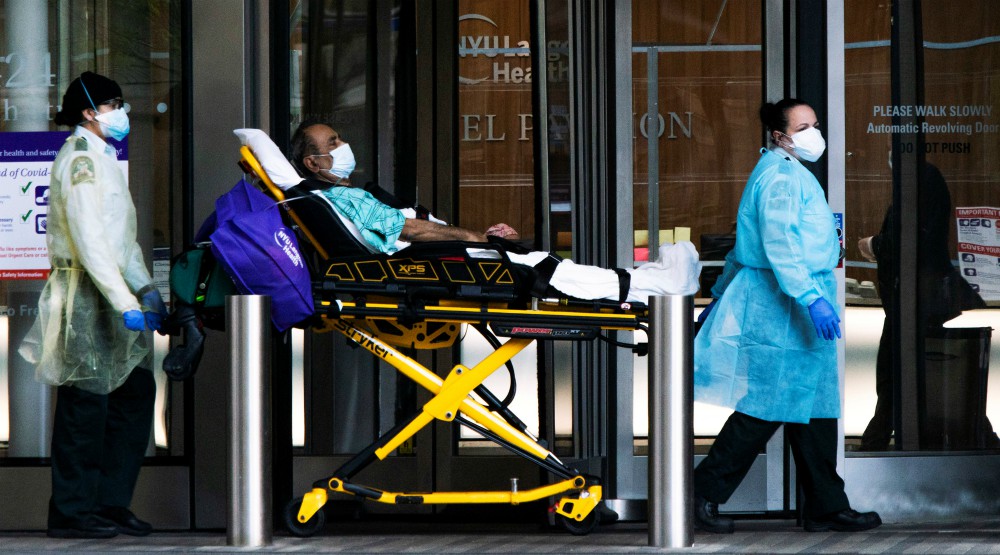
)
(708, 66)
(495, 157)
(960, 57)
(43, 47)
(496, 162)
(560, 230)
(331, 72)
(335, 78)
(708, 84)
(945, 139)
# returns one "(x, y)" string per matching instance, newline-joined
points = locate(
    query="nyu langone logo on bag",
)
(284, 241)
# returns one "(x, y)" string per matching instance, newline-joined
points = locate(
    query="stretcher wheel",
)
(580, 527)
(302, 529)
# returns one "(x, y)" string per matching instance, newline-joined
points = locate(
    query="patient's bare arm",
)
(415, 230)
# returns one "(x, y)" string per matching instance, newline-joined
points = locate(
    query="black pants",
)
(879, 430)
(98, 444)
(814, 446)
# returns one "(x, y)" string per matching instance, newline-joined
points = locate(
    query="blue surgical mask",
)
(114, 124)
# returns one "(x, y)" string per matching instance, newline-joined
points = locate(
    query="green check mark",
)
(24, 189)
(24, 218)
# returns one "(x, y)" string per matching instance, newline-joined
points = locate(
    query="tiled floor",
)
(973, 536)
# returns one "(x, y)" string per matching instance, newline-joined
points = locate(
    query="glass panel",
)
(496, 162)
(961, 80)
(557, 64)
(333, 81)
(708, 72)
(956, 153)
(868, 191)
(331, 74)
(44, 46)
(559, 355)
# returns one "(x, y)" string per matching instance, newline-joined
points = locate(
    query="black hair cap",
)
(100, 88)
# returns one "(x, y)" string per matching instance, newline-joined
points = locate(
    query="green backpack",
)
(197, 280)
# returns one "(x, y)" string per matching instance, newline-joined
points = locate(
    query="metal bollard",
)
(249, 325)
(671, 407)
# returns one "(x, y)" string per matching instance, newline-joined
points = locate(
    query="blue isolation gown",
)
(758, 352)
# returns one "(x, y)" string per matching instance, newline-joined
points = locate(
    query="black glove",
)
(182, 360)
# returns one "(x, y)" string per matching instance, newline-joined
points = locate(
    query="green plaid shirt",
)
(379, 224)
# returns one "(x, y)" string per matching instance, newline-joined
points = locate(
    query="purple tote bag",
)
(261, 254)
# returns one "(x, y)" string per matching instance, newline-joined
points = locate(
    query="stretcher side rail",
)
(494, 316)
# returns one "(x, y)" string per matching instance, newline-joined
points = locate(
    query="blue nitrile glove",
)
(134, 320)
(153, 301)
(704, 313)
(157, 310)
(825, 319)
(154, 320)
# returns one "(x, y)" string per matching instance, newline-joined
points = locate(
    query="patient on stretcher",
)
(383, 224)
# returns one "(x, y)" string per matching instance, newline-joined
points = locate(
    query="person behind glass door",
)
(768, 348)
(88, 338)
(943, 293)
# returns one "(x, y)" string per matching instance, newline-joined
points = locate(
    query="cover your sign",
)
(979, 249)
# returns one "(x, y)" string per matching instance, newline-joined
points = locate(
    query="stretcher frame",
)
(577, 496)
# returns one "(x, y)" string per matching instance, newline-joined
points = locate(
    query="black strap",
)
(624, 283)
(510, 246)
(544, 270)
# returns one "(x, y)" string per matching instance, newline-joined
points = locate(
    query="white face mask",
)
(343, 162)
(114, 124)
(808, 144)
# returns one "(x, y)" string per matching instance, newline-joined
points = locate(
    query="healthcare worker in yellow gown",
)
(768, 347)
(89, 336)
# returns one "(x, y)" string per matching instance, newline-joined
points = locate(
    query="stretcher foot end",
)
(303, 516)
(578, 514)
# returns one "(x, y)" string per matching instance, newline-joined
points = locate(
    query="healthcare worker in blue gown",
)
(88, 339)
(768, 347)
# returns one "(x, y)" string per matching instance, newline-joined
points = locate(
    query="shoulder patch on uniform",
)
(80, 144)
(82, 170)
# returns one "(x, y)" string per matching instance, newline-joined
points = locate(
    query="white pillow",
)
(278, 168)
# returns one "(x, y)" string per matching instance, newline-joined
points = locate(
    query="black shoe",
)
(706, 517)
(875, 445)
(847, 520)
(124, 521)
(87, 528)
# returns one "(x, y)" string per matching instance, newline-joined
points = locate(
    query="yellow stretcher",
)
(379, 302)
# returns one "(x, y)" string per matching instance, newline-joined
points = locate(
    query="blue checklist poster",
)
(25, 168)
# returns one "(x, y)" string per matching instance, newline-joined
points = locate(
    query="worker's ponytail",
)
(774, 116)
